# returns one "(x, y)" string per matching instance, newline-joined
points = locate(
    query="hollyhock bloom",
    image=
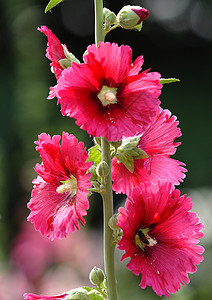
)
(42, 297)
(157, 141)
(160, 236)
(59, 198)
(106, 95)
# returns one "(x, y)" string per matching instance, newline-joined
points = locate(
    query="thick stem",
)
(99, 30)
(107, 193)
(107, 196)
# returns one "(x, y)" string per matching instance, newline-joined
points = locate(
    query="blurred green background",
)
(176, 40)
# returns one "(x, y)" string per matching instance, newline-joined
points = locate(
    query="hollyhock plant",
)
(157, 142)
(116, 102)
(59, 198)
(160, 236)
(107, 95)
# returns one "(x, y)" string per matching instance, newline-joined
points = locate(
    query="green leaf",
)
(51, 4)
(96, 297)
(169, 80)
(94, 154)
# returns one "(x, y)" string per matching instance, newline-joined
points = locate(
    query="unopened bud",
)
(131, 17)
(96, 276)
(102, 169)
(116, 144)
(109, 17)
(113, 222)
(78, 294)
(92, 170)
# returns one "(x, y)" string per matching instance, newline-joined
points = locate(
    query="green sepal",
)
(52, 4)
(138, 27)
(94, 154)
(93, 293)
(128, 151)
(64, 63)
(69, 55)
(168, 80)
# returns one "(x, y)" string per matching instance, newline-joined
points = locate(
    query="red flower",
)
(158, 143)
(160, 236)
(59, 198)
(42, 297)
(55, 53)
(106, 95)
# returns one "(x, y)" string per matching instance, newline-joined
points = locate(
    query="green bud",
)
(96, 276)
(129, 17)
(102, 169)
(109, 18)
(116, 144)
(113, 222)
(78, 294)
(92, 170)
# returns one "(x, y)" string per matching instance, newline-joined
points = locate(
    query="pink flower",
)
(55, 53)
(106, 95)
(158, 143)
(160, 236)
(42, 297)
(59, 198)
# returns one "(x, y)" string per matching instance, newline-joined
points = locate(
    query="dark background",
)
(176, 40)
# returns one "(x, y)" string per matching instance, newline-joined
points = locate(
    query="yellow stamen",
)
(69, 186)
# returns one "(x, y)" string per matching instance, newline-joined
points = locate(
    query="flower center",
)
(68, 186)
(142, 239)
(107, 95)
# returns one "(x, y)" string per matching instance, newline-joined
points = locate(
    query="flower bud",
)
(113, 222)
(109, 17)
(131, 17)
(78, 294)
(96, 276)
(92, 170)
(116, 144)
(102, 169)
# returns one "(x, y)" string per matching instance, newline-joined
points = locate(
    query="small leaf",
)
(52, 4)
(95, 155)
(169, 80)
(96, 297)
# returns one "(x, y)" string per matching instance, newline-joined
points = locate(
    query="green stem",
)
(99, 30)
(107, 196)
